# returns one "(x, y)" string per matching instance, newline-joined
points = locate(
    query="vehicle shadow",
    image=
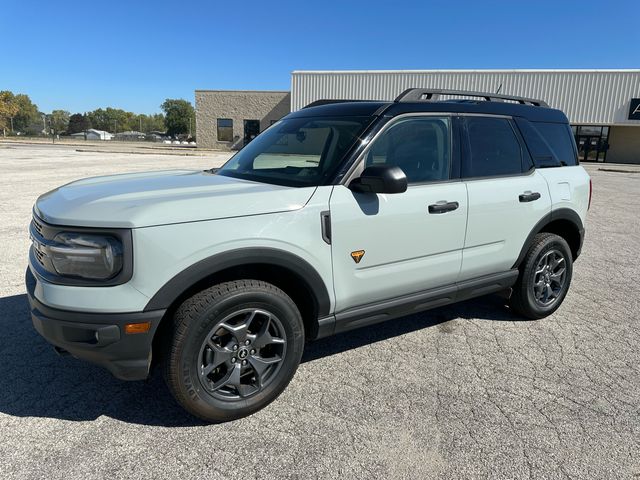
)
(491, 307)
(35, 382)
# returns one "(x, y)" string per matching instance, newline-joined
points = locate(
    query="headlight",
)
(97, 257)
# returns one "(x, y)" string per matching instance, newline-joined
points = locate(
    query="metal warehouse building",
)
(603, 106)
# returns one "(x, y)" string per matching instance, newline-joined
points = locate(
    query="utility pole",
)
(11, 124)
(140, 118)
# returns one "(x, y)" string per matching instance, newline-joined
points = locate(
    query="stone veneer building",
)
(228, 119)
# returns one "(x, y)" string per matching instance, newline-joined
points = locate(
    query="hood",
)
(159, 198)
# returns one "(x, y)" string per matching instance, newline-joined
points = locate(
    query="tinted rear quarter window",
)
(494, 148)
(540, 150)
(559, 138)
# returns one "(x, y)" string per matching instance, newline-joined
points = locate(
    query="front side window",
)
(494, 149)
(225, 130)
(420, 146)
(297, 152)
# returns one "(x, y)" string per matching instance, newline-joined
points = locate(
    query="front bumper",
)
(97, 337)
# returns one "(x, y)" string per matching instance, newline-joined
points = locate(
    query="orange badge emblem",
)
(357, 255)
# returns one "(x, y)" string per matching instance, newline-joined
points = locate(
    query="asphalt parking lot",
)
(465, 391)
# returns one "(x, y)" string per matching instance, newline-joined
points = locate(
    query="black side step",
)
(377, 312)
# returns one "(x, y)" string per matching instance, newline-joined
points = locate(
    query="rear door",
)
(507, 196)
(385, 246)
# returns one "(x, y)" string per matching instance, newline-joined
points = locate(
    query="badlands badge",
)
(357, 255)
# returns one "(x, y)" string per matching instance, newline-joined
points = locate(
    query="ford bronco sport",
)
(341, 215)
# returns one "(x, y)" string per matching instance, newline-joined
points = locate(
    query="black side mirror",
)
(380, 179)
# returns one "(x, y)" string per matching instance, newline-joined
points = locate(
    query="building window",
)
(225, 130)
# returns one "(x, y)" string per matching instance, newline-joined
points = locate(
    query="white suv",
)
(339, 216)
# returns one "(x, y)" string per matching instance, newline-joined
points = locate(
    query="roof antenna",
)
(499, 88)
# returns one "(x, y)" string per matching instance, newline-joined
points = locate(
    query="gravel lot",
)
(466, 391)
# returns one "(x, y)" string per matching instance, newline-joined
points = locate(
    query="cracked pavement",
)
(465, 391)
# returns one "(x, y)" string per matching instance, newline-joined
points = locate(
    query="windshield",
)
(298, 152)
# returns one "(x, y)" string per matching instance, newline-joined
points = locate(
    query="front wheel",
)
(235, 347)
(545, 276)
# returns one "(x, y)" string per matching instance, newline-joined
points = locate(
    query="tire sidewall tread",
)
(522, 300)
(194, 319)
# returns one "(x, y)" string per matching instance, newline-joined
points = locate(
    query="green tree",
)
(37, 126)
(78, 123)
(59, 120)
(155, 123)
(113, 120)
(179, 115)
(98, 119)
(8, 109)
(27, 114)
(118, 120)
(150, 123)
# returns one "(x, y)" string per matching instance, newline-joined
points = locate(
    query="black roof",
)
(342, 108)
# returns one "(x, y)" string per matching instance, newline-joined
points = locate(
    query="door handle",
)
(443, 207)
(529, 196)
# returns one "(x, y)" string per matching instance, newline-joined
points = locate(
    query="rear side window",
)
(550, 144)
(494, 149)
(559, 138)
(540, 150)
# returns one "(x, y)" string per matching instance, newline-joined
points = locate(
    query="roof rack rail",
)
(432, 95)
(327, 101)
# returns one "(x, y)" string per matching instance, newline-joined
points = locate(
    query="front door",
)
(387, 245)
(251, 130)
(592, 142)
(588, 148)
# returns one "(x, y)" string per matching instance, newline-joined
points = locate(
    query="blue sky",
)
(80, 56)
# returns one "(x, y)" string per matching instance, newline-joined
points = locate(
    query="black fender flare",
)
(559, 214)
(197, 272)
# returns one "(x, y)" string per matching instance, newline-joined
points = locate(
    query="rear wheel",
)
(234, 349)
(545, 276)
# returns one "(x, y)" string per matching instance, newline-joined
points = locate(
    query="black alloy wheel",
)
(242, 354)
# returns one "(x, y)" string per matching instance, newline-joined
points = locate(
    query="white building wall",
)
(586, 96)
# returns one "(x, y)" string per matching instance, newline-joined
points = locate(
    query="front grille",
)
(37, 226)
(39, 256)
(39, 237)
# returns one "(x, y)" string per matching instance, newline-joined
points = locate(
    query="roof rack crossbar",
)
(432, 95)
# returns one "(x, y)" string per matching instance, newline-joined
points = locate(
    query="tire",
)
(208, 367)
(545, 277)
